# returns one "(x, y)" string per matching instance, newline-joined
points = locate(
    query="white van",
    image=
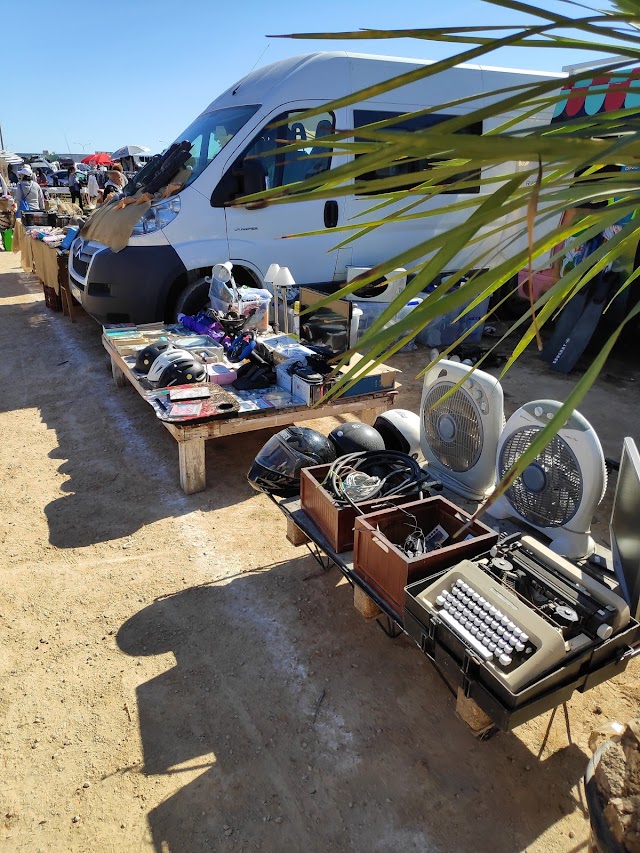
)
(173, 247)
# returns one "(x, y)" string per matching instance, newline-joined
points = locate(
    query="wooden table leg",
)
(193, 475)
(294, 534)
(118, 376)
(368, 416)
(67, 302)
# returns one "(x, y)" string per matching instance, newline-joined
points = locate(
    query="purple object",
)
(201, 326)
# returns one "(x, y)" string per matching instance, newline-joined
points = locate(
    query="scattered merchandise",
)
(459, 433)
(355, 437)
(400, 430)
(193, 392)
(148, 355)
(384, 289)
(379, 555)
(185, 410)
(538, 626)
(217, 403)
(368, 378)
(173, 365)
(220, 374)
(276, 469)
(364, 475)
(559, 491)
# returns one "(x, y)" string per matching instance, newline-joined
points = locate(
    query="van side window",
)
(404, 167)
(291, 166)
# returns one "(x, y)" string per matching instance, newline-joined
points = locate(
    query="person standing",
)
(116, 183)
(74, 187)
(29, 195)
(93, 189)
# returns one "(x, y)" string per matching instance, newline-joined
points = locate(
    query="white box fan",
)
(459, 436)
(383, 289)
(558, 493)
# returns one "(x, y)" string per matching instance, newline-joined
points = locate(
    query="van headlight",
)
(158, 216)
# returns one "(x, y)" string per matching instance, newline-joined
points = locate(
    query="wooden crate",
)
(378, 559)
(51, 298)
(336, 521)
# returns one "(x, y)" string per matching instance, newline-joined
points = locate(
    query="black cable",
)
(399, 475)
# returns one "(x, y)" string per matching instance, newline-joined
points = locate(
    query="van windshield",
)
(208, 135)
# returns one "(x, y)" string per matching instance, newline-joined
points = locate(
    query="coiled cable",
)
(372, 474)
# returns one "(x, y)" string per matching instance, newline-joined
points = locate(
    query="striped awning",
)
(10, 158)
(603, 93)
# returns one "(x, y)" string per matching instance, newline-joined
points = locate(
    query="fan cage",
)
(463, 451)
(557, 503)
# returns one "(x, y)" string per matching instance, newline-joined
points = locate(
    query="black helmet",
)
(148, 355)
(354, 437)
(182, 371)
(276, 469)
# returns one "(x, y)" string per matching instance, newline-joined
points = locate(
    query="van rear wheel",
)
(194, 298)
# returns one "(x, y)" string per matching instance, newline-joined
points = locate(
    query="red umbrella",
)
(100, 159)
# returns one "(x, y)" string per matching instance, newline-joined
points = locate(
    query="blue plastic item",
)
(69, 237)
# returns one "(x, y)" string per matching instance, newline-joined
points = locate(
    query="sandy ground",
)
(177, 677)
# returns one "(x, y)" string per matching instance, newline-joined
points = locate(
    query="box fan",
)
(459, 435)
(383, 289)
(559, 491)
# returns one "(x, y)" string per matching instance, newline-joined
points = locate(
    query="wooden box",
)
(51, 298)
(335, 520)
(379, 560)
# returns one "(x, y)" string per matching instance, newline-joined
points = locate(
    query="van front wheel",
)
(194, 298)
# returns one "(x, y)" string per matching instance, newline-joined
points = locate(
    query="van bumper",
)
(130, 286)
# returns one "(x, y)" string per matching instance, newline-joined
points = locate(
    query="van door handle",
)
(330, 214)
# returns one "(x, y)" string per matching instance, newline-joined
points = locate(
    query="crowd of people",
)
(87, 190)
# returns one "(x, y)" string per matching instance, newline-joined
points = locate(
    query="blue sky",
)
(102, 75)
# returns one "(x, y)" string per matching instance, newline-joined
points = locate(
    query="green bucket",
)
(7, 239)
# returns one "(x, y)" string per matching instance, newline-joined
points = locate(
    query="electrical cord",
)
(371, 474)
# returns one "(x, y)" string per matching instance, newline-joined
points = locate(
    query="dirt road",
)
(177, 677)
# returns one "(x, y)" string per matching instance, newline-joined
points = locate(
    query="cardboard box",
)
(308, 392)
(284, 378)
(380, 378)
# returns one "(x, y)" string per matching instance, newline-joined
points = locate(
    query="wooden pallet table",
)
(191, 437)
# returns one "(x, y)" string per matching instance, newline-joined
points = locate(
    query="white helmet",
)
(165, 358)
(400, 430)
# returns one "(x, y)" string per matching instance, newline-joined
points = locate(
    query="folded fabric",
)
(113, 226)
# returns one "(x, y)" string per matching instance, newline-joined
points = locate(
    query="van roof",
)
(321, 76)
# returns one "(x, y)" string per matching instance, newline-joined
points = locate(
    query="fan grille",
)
(557, 470)
(461, 450)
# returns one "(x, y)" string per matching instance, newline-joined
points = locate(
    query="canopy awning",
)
(602, 93)
(10, 158)
(129, 151)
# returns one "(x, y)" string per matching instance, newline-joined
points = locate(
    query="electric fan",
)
(383, 289)
(558, 493)
(459, 435)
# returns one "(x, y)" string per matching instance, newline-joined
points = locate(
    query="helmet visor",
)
(277, 456)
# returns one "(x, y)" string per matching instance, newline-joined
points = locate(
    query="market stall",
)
(196, 413)
(44, 252)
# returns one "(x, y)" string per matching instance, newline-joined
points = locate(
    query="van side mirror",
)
(243, 178)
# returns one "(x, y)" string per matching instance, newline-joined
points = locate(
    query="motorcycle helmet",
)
(400, 430)
(355, 437)
(276, 468)
(148, 355)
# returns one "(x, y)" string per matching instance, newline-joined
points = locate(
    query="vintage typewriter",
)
(521, 612)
